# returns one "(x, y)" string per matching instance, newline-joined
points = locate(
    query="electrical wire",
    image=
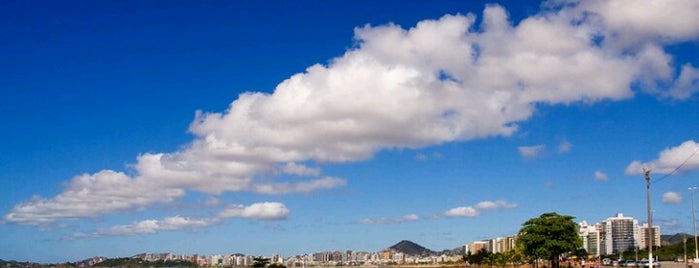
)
(677, 168)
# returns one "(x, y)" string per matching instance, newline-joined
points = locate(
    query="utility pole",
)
(694, 224)
(686, 262)
(651, 237)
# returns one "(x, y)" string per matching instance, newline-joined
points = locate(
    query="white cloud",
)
(257, 211)
(565, 147)
(626, 23)
(530, 151)
(91, 196)
(472, 211)
(153, 226)
(441, 81)
(108, 191)
(299, 187)
(301, 170)
(410, 217)
(683, 158)
(493, 205)
(686, 85)
(672, 197)
(382, 220)
(623, 25)
(467, 211)
(600, 176)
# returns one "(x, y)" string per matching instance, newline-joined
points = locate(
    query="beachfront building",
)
(591, 236)
(643, 236)
(620, 234)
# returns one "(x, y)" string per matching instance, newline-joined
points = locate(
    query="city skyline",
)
(593, 236)
(287, 127)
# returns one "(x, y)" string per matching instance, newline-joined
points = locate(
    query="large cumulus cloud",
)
(680, 158)
(441, 81)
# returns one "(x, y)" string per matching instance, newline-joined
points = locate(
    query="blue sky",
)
(293, 127)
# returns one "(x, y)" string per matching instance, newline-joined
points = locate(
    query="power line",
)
(677, 168)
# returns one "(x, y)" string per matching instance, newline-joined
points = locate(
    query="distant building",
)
(620, 234)
(385, 255)
(502, 244)
(643, 235)
(277, 258)
(616, 235)
(398, 257)
(477, 246)
(591, 236)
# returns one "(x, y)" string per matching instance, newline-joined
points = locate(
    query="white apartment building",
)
(591, 236)
(616, 235)
(502, 244)
(643, 235)
(620, 234)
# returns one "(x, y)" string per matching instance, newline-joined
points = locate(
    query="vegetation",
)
(515, 256)
(260, 262)
(669, 253)
(548, 237)
(133, 262)
(17, 264)
(276, 265)
(665, 253)
(482, 256)
(478, 258)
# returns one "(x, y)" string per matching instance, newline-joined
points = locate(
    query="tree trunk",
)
(554, 262)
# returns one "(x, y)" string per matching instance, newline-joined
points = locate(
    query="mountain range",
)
(674, 238)
(410, 248)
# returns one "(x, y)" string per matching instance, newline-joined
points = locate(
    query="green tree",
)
(549, 236)
(467, 257)
(500, 259)
(490, 260)
(260, 262)
(276, 265)
(479, 258)
(581, 253)
(515, 256)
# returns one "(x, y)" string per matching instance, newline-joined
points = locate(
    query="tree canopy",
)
(478, 258)
(549, 236)
(260, 262)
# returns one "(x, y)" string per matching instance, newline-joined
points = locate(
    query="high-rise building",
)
(643, 235)
(620, 234)
(502, 244)
(591, 236)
